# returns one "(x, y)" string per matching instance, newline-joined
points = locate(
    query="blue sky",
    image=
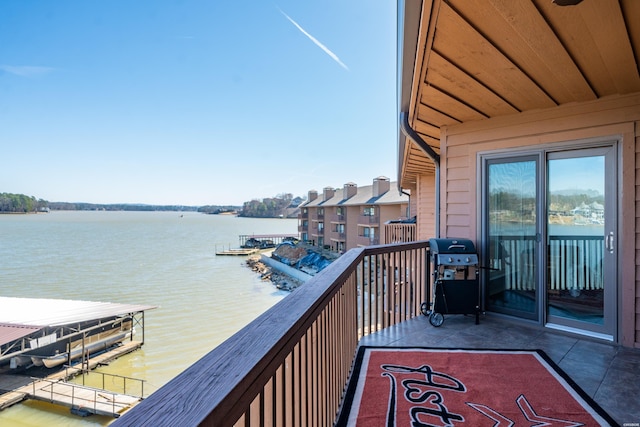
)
(195, 102)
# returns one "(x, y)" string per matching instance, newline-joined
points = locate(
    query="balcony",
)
(337, 219)
(290, 365)
(400, 232)
(368, 220)
(367, 241)
(338, 237)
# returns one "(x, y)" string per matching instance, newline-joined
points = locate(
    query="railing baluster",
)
(302, 374)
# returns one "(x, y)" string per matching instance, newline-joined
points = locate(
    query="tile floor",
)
(609, 373)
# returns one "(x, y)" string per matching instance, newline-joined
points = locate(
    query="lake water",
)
(166, 259)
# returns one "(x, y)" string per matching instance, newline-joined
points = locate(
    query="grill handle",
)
(457, 247)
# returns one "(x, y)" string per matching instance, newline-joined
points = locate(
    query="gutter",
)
(426, 148)
(409, 196)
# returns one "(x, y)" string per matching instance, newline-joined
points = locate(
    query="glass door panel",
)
(511, 225)
(580, 238)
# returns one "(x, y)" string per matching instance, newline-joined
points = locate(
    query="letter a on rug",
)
(420, 387)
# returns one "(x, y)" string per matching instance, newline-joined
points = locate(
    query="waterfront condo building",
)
(351, 216)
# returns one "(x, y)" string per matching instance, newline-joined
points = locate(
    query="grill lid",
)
(451, 246)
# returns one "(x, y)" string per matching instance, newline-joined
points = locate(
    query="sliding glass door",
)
(550, 238)
(581, 239)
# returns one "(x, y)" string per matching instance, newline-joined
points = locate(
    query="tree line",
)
(271, 207)
(217, 209)
(19, 203)
(69, 206)
(511, 201)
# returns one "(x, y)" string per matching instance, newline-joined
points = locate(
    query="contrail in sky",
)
(26, 70)
(316, 41)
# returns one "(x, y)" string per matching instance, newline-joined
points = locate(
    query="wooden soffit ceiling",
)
(478, 59)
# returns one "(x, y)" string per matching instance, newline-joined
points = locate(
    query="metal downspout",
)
(409, 196)
(413, 136)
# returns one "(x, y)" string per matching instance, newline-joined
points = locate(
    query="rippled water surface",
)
(166, 259)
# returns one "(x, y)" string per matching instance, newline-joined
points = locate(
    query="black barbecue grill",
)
(456, 288)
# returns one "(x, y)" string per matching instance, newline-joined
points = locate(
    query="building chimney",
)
(380, 186)
(313, 194)
(328, 193)
(350, 190)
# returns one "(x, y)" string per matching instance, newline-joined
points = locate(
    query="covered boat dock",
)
(264, 240)
(38, 337)
(36, 331)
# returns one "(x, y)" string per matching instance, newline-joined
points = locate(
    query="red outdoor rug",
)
(421, 387)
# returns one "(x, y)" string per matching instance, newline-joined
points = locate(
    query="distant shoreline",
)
(20, 213)
(233, 213)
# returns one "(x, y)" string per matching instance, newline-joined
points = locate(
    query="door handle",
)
(608, 242)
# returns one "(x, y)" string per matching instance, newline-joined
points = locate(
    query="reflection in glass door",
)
(511, 227)
(580, 239)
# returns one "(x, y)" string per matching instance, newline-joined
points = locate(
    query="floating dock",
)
(251, 244)
(238, 252)
(81, 399)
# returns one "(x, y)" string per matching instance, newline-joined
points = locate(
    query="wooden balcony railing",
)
(399, 232)
(289, 366)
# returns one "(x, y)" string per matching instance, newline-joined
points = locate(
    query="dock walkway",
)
(81, 398)
(54, 388)
(238, 252)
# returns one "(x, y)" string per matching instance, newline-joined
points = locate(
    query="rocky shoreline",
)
(302, 257)
(279, 280)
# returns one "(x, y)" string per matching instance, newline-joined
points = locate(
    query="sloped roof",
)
(40, 312)
(364, 196)
(316, 202)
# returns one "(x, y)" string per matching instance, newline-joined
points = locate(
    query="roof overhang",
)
(461, 61)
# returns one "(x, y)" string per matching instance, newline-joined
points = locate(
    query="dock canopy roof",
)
(39, 312)
(9, 333)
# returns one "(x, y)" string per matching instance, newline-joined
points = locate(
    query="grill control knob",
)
(467, 260)
(450, 259)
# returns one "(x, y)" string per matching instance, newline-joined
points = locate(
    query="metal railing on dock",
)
(82, 398)
(85, 399)
(274, 239)
(138, 384)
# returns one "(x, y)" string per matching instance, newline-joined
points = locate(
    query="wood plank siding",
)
(425, 199)
(611, 119)
(501, 76)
